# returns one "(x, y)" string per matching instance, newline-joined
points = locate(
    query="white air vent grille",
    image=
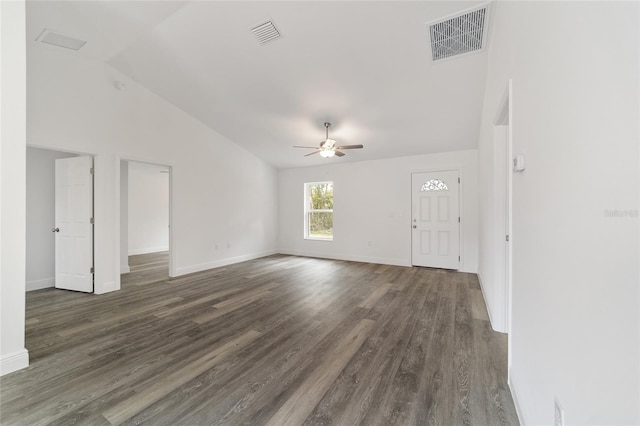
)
(457, 35)
(51, 37)
(266, 32)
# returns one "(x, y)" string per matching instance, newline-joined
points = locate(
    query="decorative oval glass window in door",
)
(434, 185)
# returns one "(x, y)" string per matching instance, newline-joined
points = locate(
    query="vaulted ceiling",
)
(363, 66)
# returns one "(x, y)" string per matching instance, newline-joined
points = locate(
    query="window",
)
(434, 185)
(318, 211)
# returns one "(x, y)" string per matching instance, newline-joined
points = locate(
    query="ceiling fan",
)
(328, 146)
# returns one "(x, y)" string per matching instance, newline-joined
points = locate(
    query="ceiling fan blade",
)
(340, 154)
(310, 147)
(314, 152)
(350, 147)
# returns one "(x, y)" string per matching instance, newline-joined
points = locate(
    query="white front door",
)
(73, 227)
(435, 220)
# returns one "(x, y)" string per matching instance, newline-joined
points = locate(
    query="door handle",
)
(55, 229)
(415, 226)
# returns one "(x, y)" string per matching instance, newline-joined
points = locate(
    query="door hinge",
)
(458, 258)
(91, 170)
(92, 221)
(458, 219)
(507, 238)
(458, 180)
(91, 270)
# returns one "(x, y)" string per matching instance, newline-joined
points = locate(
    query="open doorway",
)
(144, 222)
(59, 219)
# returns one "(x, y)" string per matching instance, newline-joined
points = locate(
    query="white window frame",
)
(307, 210)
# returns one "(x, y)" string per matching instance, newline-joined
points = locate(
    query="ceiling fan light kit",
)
(328, 148)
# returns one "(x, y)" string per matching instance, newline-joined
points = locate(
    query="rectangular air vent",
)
(459, 34)
(51, 37)
(266, 32)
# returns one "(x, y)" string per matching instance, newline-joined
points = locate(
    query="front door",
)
(435, 222)
(73, 224)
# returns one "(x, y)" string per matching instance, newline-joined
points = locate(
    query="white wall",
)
(148, 208)
(41, 212)
(575, 321)
(224, 205)
(372, 202)
(124, 217)
(13, 354)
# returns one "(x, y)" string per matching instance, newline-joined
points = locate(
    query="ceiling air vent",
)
(51, 37)
(459, 34)
(266, 32)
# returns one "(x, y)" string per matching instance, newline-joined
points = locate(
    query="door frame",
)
(93, 204)
(504, 205)
(171, 168)
(453, 168)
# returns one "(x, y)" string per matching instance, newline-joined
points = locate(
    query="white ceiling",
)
(363, 66)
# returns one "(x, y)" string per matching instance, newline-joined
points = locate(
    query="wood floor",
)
(280, 340)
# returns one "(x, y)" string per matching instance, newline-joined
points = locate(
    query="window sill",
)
(318, 239)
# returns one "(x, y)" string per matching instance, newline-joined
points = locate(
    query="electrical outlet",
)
(228, 245)
(559, 413)
(216, 247)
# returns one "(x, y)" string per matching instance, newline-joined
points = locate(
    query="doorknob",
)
(415, 226)
(55, 229)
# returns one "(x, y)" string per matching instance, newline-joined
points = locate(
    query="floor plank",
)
(277, 340)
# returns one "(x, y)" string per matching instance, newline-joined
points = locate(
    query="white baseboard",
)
(496, 327)
(14, 361)
(125, 269)
(468, 270)
(184, 270)
(148, 250)
(349, 257)
(356, 258)
(40, 284)
(514, 396)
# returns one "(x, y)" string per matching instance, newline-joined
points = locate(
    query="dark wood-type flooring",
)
(280, 340)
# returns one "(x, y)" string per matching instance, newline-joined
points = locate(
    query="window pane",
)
(434, 185)
(320, 225)
(321, 196)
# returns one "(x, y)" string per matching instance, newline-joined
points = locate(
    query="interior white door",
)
(73, 227)
(435, 222)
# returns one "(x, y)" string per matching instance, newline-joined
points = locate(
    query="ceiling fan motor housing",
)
(328, 144)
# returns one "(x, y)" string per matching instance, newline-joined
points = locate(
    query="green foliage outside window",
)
(320, 198)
